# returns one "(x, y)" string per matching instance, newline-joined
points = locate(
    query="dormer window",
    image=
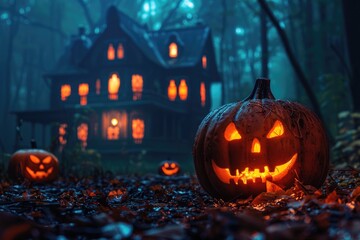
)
(83, 92)
(113, 86)
(173, 50)
(183, 90)
(111, 52)
(137, 86)
(172, 90)
(65, 92)
(204, 61)
(120, 51)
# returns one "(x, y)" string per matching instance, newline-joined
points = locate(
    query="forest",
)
(139, 161)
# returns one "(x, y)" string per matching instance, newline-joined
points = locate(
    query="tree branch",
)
(169, 16)
(297, 68)
(87, 14)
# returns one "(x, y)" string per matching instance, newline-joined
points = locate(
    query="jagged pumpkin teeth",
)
(244, 144)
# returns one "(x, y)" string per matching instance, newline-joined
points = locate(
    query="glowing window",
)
(114, 125)
(204, 62)
(65, 92)
(173, 50)
(98, 86)
(137, 86)
(111, 52)
(120, 51)
(202, 94)
(82, 134)
(183, 90)
(172, 90)
(114, 86)
(62, 133)
(83, 92)
(138, 130)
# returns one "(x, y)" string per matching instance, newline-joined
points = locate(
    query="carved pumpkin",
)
(240, 146)
(34, 164)
(169, 168)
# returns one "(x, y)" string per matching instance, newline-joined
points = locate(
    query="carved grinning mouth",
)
(169, 171)
(39, 174)
(250, 176)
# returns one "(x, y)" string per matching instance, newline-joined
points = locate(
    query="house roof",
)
(153, 44)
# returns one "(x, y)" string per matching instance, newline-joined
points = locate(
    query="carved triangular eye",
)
(276, 131)
(34, 159)
(47, 160)
(231, 133)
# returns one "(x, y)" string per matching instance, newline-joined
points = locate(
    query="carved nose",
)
(41, 167)
(256, 147)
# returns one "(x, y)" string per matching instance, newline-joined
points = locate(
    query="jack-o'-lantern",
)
(34, 164)
(169, 168)
(240, 146)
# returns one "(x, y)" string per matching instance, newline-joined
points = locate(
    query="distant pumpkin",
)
(169, 168)
(240, 146)
(34, 164)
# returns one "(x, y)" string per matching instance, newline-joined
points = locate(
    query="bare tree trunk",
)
(222, 51)
(297, 68)
(351, 18)
(264, 45)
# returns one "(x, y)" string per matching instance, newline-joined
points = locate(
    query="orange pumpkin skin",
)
(240, 146)
(169, 168)
(34, 164)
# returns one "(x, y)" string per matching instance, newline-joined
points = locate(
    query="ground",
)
(156, 207)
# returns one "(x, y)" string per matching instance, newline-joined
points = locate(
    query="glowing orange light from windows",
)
(204, 62)
(111, 52)
(137, 86)
(138, 130)
(98, 86)
(172, 90)
(82, 134)
(62, 133)
(173, 50)
(65, 92)
(113, 130)
(83, 92)
(183, 90)
(120, 51)
(202, 94)
(113, 86)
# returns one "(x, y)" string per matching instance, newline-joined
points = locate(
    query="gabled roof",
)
(153, 44)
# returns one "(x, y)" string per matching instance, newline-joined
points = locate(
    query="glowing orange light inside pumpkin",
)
(255, 147)
(231, 133)
(65, 91)
(83, 92)
(202, 93)
(98, 86)
(172, 90)
(113, 86)
(183, 90)
(173, 50)
(204, 61)
(138, 130)
(246, 176)
(120, 51)
(276, 131)
(137, 86)
(111, 52)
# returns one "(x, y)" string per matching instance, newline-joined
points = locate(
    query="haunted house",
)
(129, 89)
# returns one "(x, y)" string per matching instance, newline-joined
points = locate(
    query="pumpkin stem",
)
(33, 144)
(261, 90)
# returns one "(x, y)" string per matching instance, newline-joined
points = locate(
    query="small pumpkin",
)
(240, 146)
(33, 164)
(169, 168)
